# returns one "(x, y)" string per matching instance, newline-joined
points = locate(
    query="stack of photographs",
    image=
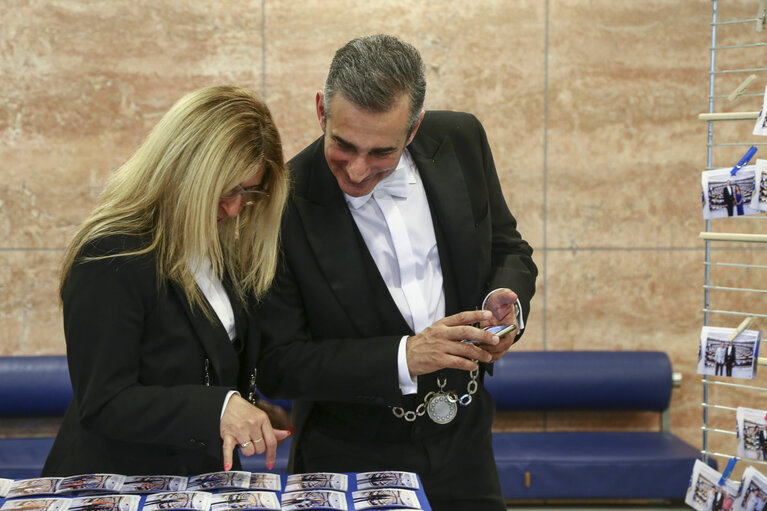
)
(753, 495)
(215, 491)
(318, 490)
(760, 128)
(79, 484)
(213, 481)
(726, 195)
(386, 490)
(191, 500)
(718, 356)
(153, 484)
(708, 490)
(752, 433)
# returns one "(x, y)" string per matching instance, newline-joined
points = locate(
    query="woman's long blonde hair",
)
(210, 141)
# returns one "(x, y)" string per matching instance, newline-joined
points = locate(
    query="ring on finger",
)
(245, 444)
(258, 441)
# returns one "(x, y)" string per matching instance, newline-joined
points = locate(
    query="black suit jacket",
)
(137, 357)
(330, 327)
(729, 198)
(729, 356)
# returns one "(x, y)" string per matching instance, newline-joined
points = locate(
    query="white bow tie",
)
(394, 185)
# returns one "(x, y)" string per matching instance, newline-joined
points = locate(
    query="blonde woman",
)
(155, 287)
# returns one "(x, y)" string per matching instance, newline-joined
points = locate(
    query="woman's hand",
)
(248, 426)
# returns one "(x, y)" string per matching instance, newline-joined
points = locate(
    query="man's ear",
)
(320, 106)
(415, 129)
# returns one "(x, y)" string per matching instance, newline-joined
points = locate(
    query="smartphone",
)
(499, 330)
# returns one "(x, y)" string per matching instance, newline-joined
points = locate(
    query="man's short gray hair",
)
(374, 71)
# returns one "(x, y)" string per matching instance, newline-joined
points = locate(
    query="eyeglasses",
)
(249, 195)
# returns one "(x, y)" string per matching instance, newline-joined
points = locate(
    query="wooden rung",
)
(733, 236)
(729, 116)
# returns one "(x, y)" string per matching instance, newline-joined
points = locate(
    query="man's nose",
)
(357, 169)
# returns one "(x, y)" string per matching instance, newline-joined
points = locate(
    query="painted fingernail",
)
(227, 466)
(270, 465)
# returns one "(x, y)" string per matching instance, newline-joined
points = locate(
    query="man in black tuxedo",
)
(397, 239)
(729, 358)
(761, 441)
(718, 499)
(729, 197)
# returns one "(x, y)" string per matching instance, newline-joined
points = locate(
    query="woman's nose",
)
(232, 207)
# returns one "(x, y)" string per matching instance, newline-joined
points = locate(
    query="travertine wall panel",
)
(590, 108)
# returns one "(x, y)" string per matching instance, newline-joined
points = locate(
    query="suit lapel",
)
(451, 213)
(211, 335)
(341, 253)
(240, 319)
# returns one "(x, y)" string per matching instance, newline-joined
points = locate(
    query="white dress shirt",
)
(405, 252)
(414, 278)
(214, 292)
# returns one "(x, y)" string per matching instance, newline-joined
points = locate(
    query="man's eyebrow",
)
(345, 143)
(342, 142)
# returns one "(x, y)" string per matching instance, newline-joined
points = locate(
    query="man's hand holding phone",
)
(499, 330)
(503, 303)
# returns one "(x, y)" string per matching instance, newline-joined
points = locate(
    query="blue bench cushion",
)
(573, 465)
(581, 380)
(34, 386)
(23, 458)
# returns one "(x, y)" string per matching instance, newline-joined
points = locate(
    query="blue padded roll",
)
(35, 386)
(581, 380)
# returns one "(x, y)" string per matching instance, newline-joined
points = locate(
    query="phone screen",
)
(501, 330)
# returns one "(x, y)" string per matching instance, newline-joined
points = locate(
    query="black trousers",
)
(456, 466)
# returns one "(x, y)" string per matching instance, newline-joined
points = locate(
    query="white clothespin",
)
(743, 325)
(742, 87)
(761, 18)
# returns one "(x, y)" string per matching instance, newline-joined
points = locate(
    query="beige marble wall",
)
(590, 106)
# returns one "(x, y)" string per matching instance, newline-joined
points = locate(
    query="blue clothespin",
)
(744, 161)
(727, 471)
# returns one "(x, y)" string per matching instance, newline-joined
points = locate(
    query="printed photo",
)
(752, 433)
(105, 503)
(725, 195)
(151, 484)
(759, 200)
(52, 504)
(91, 482)
(5, 485)
(705, 493)
(263, 481)
(245, 500)
(318, 499)
(394, 479)
(760, 128)
(36, 486)
(754, 491)
(233, 479)
(178, 500)
(385, 498)
(718, 356)
(317, 481)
